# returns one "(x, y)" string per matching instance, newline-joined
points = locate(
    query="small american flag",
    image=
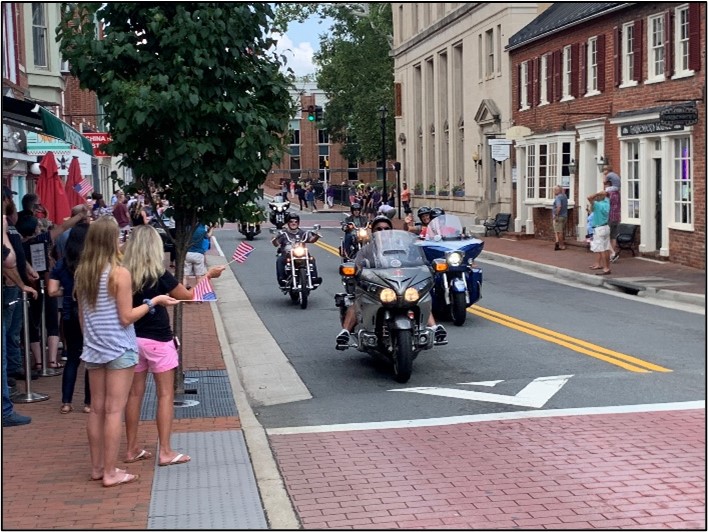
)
(83, 188)
(204, 291)
(242, 251)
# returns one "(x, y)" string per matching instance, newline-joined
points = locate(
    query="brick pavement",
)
(46, 466)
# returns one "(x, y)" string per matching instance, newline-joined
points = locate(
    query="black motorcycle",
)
(249, 229)
(392, 297)
(278, 210)
(300, 277)
(361, 236)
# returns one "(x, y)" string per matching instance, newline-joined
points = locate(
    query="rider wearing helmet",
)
(380, 223)
(424, 214)
(435, 212)
(349, 226)
(283, 237)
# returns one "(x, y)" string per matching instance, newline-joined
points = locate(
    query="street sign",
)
(534, 395)
(97, 142)
(682, 115)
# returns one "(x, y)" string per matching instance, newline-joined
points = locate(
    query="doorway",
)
(657, 202)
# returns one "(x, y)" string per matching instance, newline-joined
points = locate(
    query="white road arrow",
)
(534, 395)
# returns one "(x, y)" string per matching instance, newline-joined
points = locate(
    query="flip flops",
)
(179, 459)
(127, 479)
(142, 455)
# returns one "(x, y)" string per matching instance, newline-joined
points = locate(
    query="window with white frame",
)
(633, 180)
(592, 66)
(683, 181)
(531, 171)
(681, 40)
(523, 83)
(544, 78)
(628, 54)
(39, 34)
(656, 48)
(547, 166)
(567, 69)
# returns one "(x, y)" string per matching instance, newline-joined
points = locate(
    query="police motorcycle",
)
(390, 287)
(300, 272)
(278, 211)
(249, 229)
(458, 281)
(250, 223)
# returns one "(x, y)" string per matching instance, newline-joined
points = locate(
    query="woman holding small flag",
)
(144, 259)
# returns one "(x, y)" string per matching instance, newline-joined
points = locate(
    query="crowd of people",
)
(105, 304)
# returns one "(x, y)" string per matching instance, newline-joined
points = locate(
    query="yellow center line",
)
(613, 357)
(327, 247)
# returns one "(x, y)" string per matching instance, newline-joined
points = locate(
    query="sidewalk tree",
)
(194, 96)
(355, 70)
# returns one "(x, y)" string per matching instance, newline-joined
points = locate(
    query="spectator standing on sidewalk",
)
(61, 283)
(156, 347)
(120, 212)
(195, 261)
(310, 198)
(300, 193)
(104, 293)
(330, 196)
(560, 216)
(613, 193)
(601, 231)
(406, 199)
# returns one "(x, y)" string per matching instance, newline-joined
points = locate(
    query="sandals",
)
(66, 408)
(56, 365)
(87, 409)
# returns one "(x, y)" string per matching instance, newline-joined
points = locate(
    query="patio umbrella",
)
(74, 178)
(50, 190)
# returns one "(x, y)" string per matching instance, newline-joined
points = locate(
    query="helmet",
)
(424, 210)
(292, 216)
(437, 211)
(382, 219)
(355, 207)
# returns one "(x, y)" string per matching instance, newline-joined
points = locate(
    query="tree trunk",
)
(183, 238)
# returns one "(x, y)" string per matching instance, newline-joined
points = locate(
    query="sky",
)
(300, 42)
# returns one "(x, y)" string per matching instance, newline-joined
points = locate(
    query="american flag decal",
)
(204, 291)
(242, 251)
(84, 187)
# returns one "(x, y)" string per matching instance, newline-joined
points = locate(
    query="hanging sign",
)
(500, 149)
(38, 257)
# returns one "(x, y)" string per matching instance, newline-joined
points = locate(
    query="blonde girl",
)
(103, 291)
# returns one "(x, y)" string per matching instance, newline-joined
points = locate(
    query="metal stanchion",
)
(29, 396)
(46, 370)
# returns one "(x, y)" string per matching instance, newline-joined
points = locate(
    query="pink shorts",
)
(156, 357)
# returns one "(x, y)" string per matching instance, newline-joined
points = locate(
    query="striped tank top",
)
(105, 339)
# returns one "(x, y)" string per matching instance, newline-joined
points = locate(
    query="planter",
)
(444, 193)
(430, 193)
(459, 193)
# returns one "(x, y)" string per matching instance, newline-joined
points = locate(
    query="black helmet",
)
(437, 211)
(381, 219)
(355, 207)
(292, 216)
(424, 210)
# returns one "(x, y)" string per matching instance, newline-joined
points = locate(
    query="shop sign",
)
(97, 142)
(648, 128)
(500, 149)
(682, 115)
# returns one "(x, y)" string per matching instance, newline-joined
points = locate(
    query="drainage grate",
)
(212, 391)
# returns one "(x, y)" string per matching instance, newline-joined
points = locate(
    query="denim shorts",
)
(126, 360)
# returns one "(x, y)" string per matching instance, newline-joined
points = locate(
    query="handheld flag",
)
(84, 187)
(204, 291)
(242, 251)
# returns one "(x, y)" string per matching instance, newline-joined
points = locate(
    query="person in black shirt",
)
(144, 259)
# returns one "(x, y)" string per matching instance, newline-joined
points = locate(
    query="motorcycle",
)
(392, 297)
(458, 281)
(300, 277)
(361, 236)
(278, 208)
(249, 229)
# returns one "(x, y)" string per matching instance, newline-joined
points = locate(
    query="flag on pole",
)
(204, 291)
(84, 187)
(242, 251)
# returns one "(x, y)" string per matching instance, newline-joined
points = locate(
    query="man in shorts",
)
(600, 205)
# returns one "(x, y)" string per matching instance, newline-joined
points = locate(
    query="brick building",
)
(591, 82)
(310, 154)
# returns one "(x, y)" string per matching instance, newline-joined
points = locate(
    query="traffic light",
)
(311, 113)
(318, 114)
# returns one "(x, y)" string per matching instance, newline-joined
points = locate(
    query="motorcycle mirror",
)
(317, 227)
(437, 238)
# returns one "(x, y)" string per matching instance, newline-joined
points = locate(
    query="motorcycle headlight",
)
(299, 251)
(411, 295)
(455, 258)
(387, 295)
(362, 234)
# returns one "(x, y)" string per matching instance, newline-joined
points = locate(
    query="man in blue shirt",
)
(560, 216)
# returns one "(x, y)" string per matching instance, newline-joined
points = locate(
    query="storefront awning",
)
(34, 117)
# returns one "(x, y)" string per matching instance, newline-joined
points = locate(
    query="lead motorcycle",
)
(458, 280)
(391, 292)
(278, 210)
(249, 229)
(299, 267)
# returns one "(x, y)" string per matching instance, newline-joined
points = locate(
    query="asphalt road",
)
(529, 344)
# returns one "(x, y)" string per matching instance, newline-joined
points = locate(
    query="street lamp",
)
(382, 113)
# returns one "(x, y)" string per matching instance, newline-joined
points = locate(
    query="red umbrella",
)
(50, 190)
(74, 178)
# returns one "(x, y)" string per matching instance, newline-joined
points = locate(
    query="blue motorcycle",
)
(458, 281)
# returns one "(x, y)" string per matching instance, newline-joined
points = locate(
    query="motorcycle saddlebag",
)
(475, 287)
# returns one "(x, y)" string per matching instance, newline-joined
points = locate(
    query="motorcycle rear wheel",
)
(304, 291)
(458, 308)
(402, 355)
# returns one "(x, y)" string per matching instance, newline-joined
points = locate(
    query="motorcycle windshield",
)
(392, 249)
(445, 227)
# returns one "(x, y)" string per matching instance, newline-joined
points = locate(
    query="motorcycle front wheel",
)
(458, 308)
(402, 355)
(304, 291)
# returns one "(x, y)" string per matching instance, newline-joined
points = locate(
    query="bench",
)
(498, 224)
(627, 237)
